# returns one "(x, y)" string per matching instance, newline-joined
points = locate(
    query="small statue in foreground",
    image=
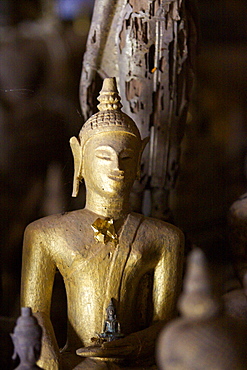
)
(112, 330)
(27, 340)
(104, 251)
(204, 337)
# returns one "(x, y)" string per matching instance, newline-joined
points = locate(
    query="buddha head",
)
(108, 151)
(111, 312)
(27, 337)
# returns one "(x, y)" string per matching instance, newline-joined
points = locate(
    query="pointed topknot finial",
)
(197, 300)
(109, 98)
(111, 306)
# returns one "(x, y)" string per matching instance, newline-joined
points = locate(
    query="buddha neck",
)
(115, 207)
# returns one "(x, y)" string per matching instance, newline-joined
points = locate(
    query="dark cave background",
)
(40, 66)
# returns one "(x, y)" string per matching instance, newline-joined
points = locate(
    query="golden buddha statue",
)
(104, 252)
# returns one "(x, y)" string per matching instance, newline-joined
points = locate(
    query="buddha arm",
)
(168, 277)
(167, 285)
(38, 271)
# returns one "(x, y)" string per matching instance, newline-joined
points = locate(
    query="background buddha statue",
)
(103, 251)
(27, 340)
(235, 297)
(204, 337)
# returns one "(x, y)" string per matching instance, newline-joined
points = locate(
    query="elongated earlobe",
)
(144, 143)
(77, 154)
(138, 174)
(143, 146)
(14, 356)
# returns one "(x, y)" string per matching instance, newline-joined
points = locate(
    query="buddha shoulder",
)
(57, 223)
(158, 230)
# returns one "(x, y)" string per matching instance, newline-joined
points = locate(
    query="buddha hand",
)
(129, 347)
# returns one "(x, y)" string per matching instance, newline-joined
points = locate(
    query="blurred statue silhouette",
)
(27, 340)
(204, 337)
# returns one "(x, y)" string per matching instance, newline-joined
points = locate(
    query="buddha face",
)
(28, 349)
(110, 162)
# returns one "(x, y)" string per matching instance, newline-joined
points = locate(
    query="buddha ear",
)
(14, 356)
(144, 143)
(77, 154)
(143, 146)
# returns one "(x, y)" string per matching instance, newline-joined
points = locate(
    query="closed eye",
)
(126, 154)
(127, 157)
(104, 152)
(103, 156)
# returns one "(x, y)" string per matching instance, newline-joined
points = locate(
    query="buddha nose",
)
(117, 165)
